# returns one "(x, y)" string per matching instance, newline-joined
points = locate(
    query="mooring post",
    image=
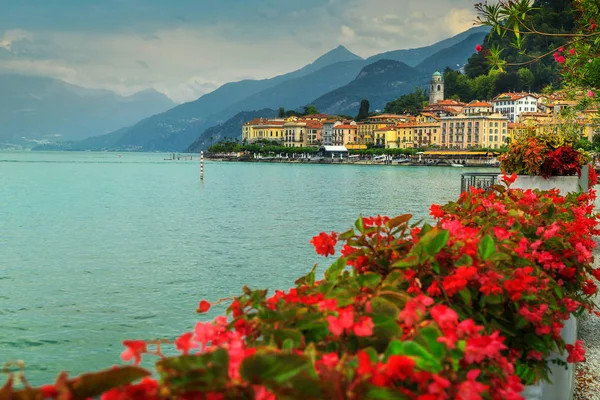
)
(201, 165)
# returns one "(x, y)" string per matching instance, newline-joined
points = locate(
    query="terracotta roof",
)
(514, 96)
(345, 127)
(535, 114)
(478, 104)
(386, 128)
(449, 102)
(516, 125)
(389, 116)
(314, 125)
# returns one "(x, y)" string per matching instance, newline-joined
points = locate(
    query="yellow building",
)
(294, 133)
(263, 129)
(366, 130)
(386, 136)
(474, 131)
(516, 129)
(344, 134)
(405, 136)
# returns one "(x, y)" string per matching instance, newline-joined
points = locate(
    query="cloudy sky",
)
(185, 48)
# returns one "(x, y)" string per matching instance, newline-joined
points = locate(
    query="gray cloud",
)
(188, 48)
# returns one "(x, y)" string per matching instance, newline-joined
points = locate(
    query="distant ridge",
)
(335, 82)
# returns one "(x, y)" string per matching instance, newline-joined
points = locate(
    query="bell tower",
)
(436, 88)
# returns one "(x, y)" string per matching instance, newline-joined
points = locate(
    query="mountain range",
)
(38, 109)
(335, 83)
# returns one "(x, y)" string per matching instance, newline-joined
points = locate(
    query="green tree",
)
(363, 112)
(310, 110)
(281, 113)
(526, 78)
(410, 103)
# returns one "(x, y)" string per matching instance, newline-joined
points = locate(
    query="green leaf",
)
(395, 348)
(465, 294)
(486, 248)
(346, 235)
(369, 279)
(381, 393)
(206, 372)
(288, 376)
(359, 224)
(87, 385)
(334, 271)
(407, 262)
(260, 368)
(464, 261)
(399, 220)
(437, 243)
(424, 359)
(308, 279)
(431, 334)
(386, 327)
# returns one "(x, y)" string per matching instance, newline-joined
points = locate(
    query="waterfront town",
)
(443, 124)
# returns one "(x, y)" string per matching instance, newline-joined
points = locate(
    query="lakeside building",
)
(263, 129)
(345, 133)
(447, 124)
(477, 107)
(511, 105)
(472, 131)
(366, 130)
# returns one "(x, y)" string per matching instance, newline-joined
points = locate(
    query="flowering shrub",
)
(576, 52)
(545, 154)
(468, 308)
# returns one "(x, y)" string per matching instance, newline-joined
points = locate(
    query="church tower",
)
(436, 88)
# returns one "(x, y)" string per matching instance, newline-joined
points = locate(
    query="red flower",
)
(576, 352)
(364, 327)
(572, 51)
(203, 307)
(436, 211)
(324, 243)
(561, 50)
(344, 321)
(560, 59)
(592, 176)
(399, 367)
(49, 391)
(184, 343)
(589, 288)
(478, 48)
(134, 349)
(236, 308)
(509, 179)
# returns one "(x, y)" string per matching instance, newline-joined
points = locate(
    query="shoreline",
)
(346, 162)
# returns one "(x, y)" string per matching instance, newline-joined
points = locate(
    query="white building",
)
(511, 105)
(328, 126)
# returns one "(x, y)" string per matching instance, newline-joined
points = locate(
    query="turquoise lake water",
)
(96, 248)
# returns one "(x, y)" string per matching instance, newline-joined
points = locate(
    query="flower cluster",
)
(546, 154)
(467, 308)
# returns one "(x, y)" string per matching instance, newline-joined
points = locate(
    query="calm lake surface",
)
(97, 248)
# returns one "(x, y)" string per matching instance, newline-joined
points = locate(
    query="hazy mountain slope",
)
(40, 108)
(378, 82)
(297, 92)
(175, 129)
(386, 80)
(454, 57)
(413, 57)
(230, 129)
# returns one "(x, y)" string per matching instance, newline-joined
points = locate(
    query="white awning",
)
(335, 148)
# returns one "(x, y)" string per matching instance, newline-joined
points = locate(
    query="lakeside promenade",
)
(407, 162)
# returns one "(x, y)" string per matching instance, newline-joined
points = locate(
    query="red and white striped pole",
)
(201, 165)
